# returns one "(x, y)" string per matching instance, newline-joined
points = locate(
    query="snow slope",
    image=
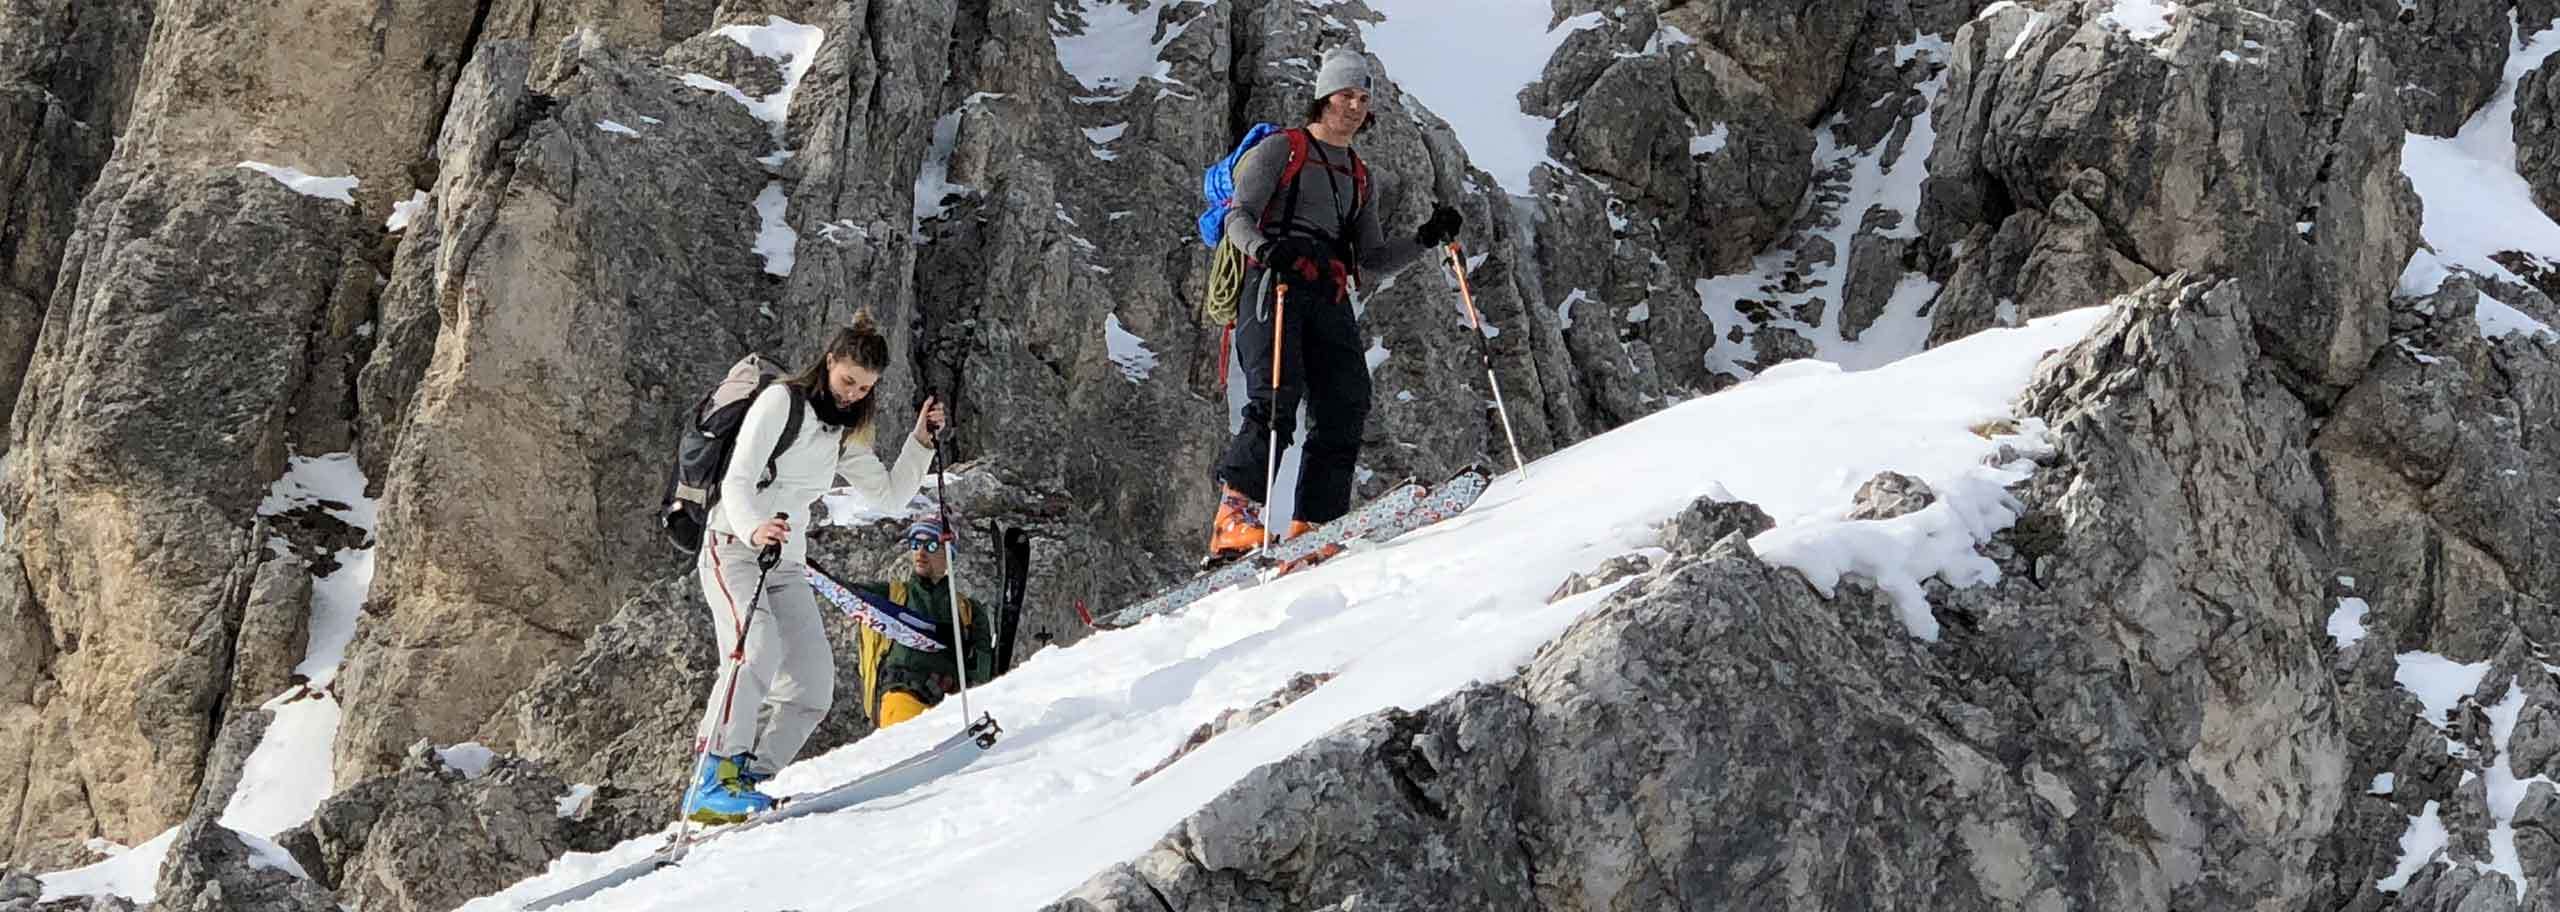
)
(1402, 625)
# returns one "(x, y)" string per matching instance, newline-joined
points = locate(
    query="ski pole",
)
(951, 552)
(735, 661)
(1271, 413)
(1484, 351)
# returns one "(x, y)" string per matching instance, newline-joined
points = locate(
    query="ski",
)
(942, 759)
(1017, 578)
(1411, 505)
(885, 617)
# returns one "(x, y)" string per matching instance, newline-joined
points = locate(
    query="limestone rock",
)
(213, 869)
(427, 837)
(1892, 494)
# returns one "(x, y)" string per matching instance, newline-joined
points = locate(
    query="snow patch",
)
(2346, 624)
(708, 84)
(335, 483)
(341, 189)
(2438, 682)
(2382, 784)
(470, 758)
(575, 801)
(934, 187)
(847, 510)
(775, 241)
(406, 211)
(789, 43)
(1468, 63)
(133, 873)
(1860, 179)
(2504, 791)
(2419, 844)
(1128, 351)
(611, 126)
(289, 774)
(1377, 353)
(337, 600)
(1711, 142)
(265, 855)
(1120, 43)
(1564, 311)
(2497, 320)
(2143, 19)
(1898, 554)
(1718, 297)
(2473, 202)
(1996, 8)
(2035, 21)
(1104, 136)
(332, 482)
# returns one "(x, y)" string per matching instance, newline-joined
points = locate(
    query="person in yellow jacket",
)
(900, 681)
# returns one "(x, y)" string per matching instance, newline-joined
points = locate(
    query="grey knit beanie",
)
(1343, 69)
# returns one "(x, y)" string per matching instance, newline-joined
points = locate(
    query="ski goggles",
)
(924, 542)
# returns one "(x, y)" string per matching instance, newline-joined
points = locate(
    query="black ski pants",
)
(1323, 363)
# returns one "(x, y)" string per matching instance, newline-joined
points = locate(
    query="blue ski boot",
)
(725, 793)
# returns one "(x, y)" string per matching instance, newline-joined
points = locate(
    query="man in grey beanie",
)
(1304, 216)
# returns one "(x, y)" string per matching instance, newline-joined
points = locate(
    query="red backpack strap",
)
(1359, 180)
(1288, 185)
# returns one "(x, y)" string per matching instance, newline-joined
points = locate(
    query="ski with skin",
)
(942, 759)
(1408, 507)
(1017, 579)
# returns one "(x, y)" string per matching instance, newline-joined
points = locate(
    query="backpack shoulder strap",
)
(1287, 198)
(1359, 198)
(1359, 182)
(790, 434)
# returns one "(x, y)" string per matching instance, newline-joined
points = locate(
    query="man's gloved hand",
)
(1298, 259)
(1441, 228)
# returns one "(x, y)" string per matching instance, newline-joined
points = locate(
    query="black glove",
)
(1441, 228)
(1301, 259)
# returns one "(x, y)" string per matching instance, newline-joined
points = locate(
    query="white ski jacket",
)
(805, 472)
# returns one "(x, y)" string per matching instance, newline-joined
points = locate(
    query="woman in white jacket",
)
(784, 667)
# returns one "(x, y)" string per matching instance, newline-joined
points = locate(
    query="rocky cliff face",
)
(567, 217)
(2114, 725)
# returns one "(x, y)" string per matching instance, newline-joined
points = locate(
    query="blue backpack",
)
(1218, 185)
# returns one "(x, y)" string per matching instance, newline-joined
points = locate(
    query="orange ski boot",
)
(1298, 527)
(1237, 530)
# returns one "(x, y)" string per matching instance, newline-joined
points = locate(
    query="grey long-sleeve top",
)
(1325, 206)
